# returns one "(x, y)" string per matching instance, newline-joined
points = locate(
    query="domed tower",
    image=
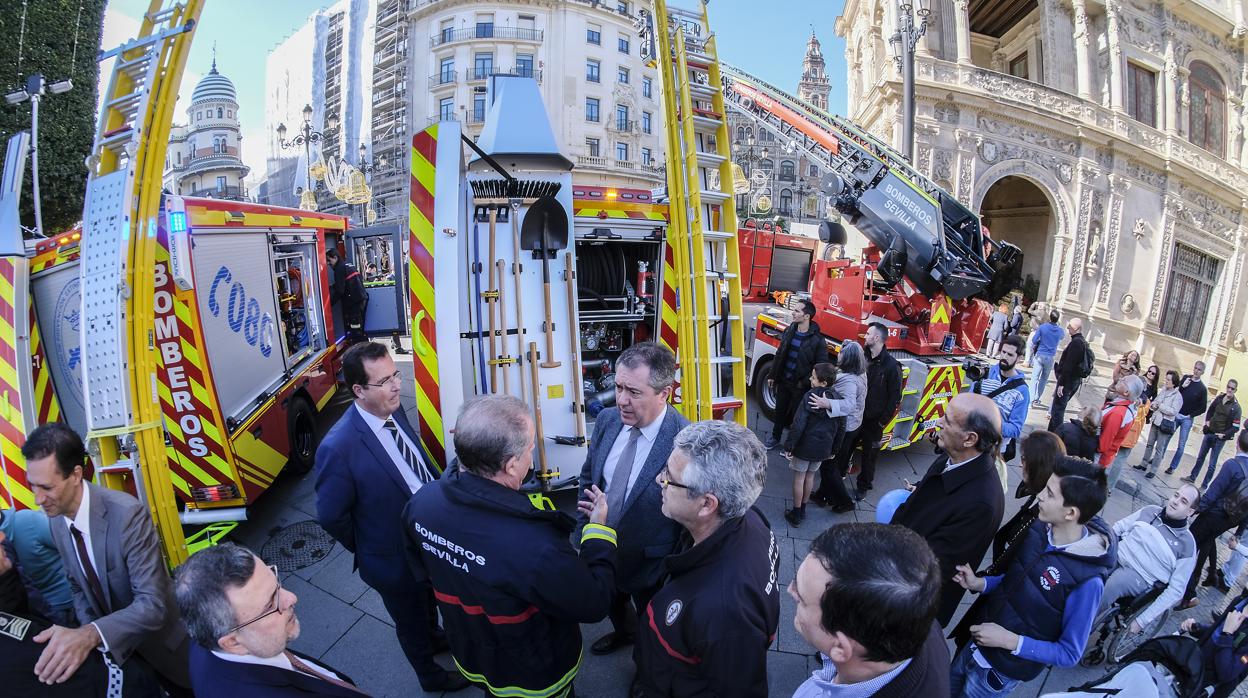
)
(814, 86)
(204, 157)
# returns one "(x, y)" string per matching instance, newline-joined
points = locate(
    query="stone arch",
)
(1061, 208)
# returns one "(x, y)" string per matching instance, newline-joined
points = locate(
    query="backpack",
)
(1088, 363)
(1235, 505)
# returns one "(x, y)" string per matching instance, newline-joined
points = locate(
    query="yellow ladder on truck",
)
(118, 258)
(704, 218)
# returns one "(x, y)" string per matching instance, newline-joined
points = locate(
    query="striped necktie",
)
(410, 458)
(303, 668)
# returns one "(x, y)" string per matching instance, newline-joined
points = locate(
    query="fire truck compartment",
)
(58, 310)
(790, 269)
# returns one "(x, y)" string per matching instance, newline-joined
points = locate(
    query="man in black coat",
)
(883, 397)
(958, 505)
(802, 346)
(1069, 372)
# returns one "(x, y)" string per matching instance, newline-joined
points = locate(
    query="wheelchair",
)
(1113, 627)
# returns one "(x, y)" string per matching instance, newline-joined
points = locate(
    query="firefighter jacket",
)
(510, 586)
(706, 632)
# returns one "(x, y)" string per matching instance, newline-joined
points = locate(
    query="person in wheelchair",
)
(1154, 545)
(1223, 647)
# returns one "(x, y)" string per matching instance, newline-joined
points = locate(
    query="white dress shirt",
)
(82, 522)
(951, 466)
(280, 660)
(397, 460)
(645, 441)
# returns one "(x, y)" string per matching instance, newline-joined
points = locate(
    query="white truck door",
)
(58, 310)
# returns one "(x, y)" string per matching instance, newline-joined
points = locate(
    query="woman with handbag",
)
(1165, 413)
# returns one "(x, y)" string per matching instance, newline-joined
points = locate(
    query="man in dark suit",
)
(123, 597)
(367, 467)
(957, 506)
(631, 443)
(1068, 373)
(241, 620)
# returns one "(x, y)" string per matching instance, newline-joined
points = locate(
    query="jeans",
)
(1235, 565)
(1115, 467)
(1184, 424)
(967, 679)
(1040, 374)
(1211, 445)
(1155, 449)
(1057, 413)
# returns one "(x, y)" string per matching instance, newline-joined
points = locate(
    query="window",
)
(220, 113)
(647, 157)
(446, 109)
(179, 155)
(786, 202)
(740, 134)
(1018, 66)
(482, 65)
(787, 171)
(528, 22)
(221, 184)
(622, 7)
(814, 171)
(524, 65)
(591, 144)
(1142, 94)
(621, 117)
(592, 70)
(485, 26)
(199, 115)
(1193, 276)
(647, 86)
(593, 34)
(478, 108)
(229, 114)
(446, 71)
(448, 31)
(1206, 111)
(621, 152)
(646, 125)
(623, 44)
(591, 109)
(622, 75)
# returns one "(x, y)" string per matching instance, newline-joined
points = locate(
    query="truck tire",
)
(301, 425)
(764, 394)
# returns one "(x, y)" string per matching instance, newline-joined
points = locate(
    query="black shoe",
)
(635, 690)
(1169, 471)
(396, 349)
(794, 517)
(1209, 581)
(449, 682)
(820, 500)
(860, 495)
(1188, 479)
(843, 508)
(865, 488)
(1150, 476)
(610, 642)
(1140, 467)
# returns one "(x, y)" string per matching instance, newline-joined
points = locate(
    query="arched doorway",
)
(1016, 210)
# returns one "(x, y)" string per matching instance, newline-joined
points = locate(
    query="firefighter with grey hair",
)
(708, 628)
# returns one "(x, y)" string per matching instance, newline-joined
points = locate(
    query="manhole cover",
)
(297, 546)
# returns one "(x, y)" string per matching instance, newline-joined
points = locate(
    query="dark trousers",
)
(787, 397)
(1206, 529)
(1211, 447)
(1057, 413)
(869, 435)
(415, 615)
(627, 608)
(832, 472)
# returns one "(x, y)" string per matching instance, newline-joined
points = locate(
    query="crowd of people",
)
(666, 542)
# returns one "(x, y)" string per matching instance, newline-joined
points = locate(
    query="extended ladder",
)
(704, 217)
(118, 259)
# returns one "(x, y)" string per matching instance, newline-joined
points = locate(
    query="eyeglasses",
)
(665, 479)
(273, 603)
(385, 381)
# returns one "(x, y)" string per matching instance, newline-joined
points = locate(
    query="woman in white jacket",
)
(1165, 409)
(851, 385)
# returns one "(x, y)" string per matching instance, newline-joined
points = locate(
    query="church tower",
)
(204, 157)
(814, 86)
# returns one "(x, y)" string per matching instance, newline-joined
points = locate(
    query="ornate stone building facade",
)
(1106, 140)
(204, 157)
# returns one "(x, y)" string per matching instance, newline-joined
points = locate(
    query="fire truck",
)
(927, 272)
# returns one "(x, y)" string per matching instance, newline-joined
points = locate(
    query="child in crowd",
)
(811, 439)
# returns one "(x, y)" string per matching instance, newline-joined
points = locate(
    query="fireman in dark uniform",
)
(706, 632)
(348, 289)
(510, 586)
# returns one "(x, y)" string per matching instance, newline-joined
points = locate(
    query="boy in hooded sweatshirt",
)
(811, 439)
(1039, 613)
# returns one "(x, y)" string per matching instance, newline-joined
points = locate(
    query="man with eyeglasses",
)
(707, 630)
(242, 621)
(1221, 423)
(367, 467)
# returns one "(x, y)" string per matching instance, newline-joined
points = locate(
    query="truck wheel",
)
(301, 423)
(764, 394)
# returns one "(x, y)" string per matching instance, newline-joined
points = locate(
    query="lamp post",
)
(306, 137)
(903, 43)
(34, 90)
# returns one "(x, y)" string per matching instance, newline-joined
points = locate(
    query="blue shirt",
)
(820, 684)
(1013, 403)
(790, 362)
(1045, 339)
(31, 536)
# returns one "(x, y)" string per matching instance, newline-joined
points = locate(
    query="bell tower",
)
(813, 86)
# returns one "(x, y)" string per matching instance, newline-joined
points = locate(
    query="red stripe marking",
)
(667, 647)
(427, 145)
(479, 611)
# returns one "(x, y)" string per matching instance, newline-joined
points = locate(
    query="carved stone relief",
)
(1027, 135)
(942, 165)
(923, 158)
(1118, 188)
(1145, 175)
(1172, 207)
(1233, 290)
(947, 113)
(1082, 223)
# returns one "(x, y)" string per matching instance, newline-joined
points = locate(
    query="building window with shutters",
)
(623, 44)
(622, 76)
(647, 157)
(1018, 66)
(647, 87)
(592, 145)
(1206, 111)
(621, 152)
(591, 109)
(593, 34)
(647, 124)
(1189, 293)
(593, 70)
(1142, 94)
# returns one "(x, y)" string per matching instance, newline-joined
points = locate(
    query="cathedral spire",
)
(214, 59)
(814, 87)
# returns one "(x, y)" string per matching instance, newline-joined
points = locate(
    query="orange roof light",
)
(612, 194)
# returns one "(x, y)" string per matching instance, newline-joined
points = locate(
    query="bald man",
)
(957, 506)
(1069, 372)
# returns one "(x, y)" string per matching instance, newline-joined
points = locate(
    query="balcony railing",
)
(232, 193)
(446, 77)
(593, 162)
(622, 126)
(489, 31)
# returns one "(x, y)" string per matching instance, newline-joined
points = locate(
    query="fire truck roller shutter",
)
(238, 306)
(58, 310)
(601, 271)
(790, 269)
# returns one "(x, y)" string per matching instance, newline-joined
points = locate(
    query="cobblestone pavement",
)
(345, 624)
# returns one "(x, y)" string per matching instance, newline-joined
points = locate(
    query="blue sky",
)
(769, 45)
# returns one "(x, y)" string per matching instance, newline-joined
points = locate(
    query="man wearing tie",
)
(631, 443)
(367, 467)
(123, 597)
(242, 620)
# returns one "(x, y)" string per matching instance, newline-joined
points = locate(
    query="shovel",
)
(545, 231)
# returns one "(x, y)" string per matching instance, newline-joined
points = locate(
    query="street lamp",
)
(306, 137)
(903, 43)
(750, 159)
(34, 90)
(380, 166)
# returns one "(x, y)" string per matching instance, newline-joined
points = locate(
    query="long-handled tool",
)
(543, 474)
(578, 403)
(491, 300)
(503, 359)
(476, 278)
(545, 231)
